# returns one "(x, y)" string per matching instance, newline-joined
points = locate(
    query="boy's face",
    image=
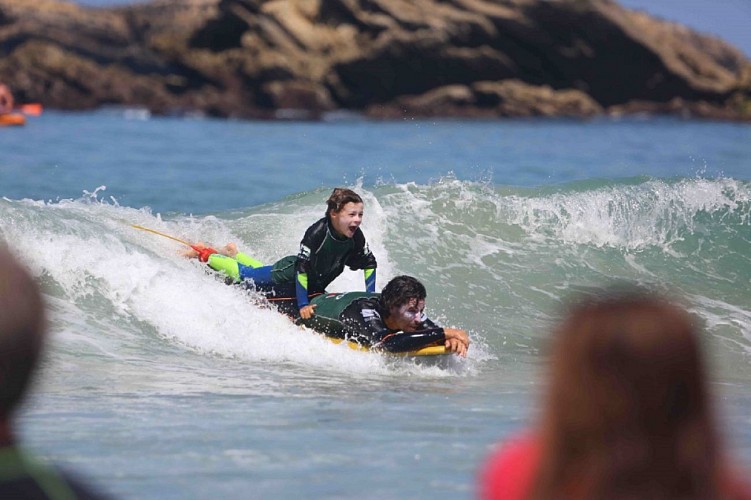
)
(348, 219)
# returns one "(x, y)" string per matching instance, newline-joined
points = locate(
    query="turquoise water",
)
(162, 382)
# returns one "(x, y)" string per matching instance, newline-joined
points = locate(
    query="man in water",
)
(393, 320)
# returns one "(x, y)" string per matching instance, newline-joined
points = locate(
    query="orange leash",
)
(203, 253)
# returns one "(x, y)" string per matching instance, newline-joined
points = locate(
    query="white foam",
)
(653, 213)
(135, 280)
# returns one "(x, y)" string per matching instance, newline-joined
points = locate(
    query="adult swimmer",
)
(6, 99)
(328, 245)
(393, 320)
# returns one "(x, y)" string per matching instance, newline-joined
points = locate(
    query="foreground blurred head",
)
(627, 414)
(21, 331)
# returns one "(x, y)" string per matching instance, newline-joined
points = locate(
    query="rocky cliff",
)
(384, 58)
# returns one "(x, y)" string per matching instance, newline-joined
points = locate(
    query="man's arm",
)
(412, 341)
(455, 340)
(370, 280)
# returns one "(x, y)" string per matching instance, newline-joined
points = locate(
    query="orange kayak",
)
(31, 109)
(10, 119)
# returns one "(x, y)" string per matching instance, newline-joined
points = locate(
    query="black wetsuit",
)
(358, 316)
(322, 257)
(22, 478)
(292, 280)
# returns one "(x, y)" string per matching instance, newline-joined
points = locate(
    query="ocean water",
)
(163, 382)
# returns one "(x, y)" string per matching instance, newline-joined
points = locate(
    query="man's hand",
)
(308, 311)
(457, 341)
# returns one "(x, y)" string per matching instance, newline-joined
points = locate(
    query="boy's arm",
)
(370, 280)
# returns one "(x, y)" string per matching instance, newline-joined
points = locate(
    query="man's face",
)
(408, 317)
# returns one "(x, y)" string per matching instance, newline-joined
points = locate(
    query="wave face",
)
(152, 352)
(506, 258)
(498, 261)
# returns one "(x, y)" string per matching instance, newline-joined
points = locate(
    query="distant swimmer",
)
(393, 320)
(6, 100)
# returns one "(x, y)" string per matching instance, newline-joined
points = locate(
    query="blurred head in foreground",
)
(627, 412)
(22, 332)
(22, 337)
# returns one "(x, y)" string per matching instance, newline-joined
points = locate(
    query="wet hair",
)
(339, 198)
(399, 291)
(22, 331)
(627, 412)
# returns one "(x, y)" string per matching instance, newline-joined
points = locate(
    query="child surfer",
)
(328, 245)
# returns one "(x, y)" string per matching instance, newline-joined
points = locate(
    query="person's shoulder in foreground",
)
(23, 477)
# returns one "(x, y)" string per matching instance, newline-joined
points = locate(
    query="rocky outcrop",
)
(384, 58)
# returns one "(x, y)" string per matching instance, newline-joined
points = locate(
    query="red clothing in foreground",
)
(509, 473)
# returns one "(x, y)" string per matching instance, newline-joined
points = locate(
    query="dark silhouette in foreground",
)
(22, 339)
(627, 413)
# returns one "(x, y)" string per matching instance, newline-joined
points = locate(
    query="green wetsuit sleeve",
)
(370, 280)
(227, 265)
(247, 260)
(301, 289)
